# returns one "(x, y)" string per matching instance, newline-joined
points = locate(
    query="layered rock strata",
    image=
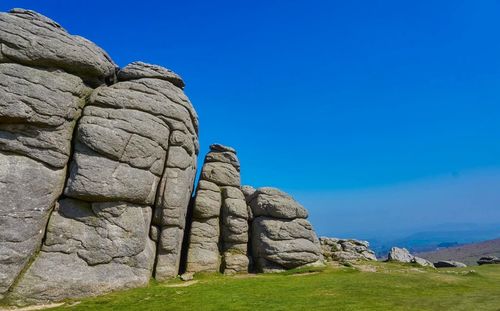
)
(219, 229)
(46, 77)
(120, 210)
(282, 237)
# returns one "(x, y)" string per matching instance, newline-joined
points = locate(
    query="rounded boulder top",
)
(221, 148)
(272, 202)
(139, 70)
(24, 32)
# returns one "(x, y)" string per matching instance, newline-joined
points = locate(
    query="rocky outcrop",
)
(45, 77)
(131, 142)
(219, 229)
(488, 260)
(345, 250)
(403, 255)
(97, 169)
(282, 237)
(449, 264)
(127, 162)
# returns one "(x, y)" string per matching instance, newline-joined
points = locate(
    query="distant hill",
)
(468, 253)
(437, 237)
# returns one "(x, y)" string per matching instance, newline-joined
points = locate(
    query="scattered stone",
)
(403, 255)
(488, 260)
(400, 255)
(341, 250)
(449, 264)
(422, 262)
(187, 276)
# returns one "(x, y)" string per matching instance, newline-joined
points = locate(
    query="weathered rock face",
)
(219, 230)
(31, 39)
(90, 248)
(132, 146)
(404, 256)
(128, 159)
(281, 236)
(345, 250)
(38, 111)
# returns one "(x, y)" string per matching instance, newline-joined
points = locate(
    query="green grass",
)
(390, 287)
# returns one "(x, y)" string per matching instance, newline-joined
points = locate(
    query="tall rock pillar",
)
(219, 229)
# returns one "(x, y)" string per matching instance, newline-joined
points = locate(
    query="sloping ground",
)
(468, 254)
(370, 286)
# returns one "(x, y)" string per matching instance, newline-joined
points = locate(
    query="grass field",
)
(374, 286)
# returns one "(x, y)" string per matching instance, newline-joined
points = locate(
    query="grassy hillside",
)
(467, 254)
(374, 286)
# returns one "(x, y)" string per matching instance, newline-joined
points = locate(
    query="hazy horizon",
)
(435, 204)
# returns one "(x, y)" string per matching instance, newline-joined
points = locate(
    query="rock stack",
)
(346, 250)
(219, 230)
(282, 237)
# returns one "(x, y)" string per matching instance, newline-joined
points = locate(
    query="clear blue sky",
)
(332, 97)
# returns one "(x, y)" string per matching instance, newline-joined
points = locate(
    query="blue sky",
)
(333, 97)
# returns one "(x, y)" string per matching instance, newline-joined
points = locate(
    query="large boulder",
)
(90, 248)
(282, 237)
(31, 39)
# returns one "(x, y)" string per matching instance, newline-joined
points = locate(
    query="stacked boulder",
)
(120, 212)
(282, 237)
(403, 255)
(219, 229)
(345, 250)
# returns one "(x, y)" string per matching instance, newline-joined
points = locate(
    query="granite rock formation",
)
(111, 152)
(219, 229)
(46, 77)
(97, 169)
(345, 250)
(282, 238)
